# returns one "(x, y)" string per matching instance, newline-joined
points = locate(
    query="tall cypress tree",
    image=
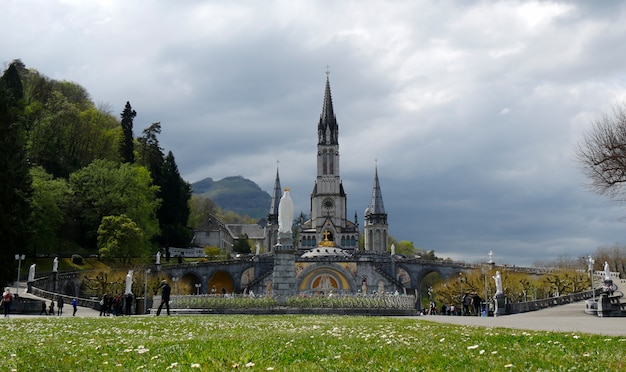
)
(15, 180)
(174, 211)
(127, 146)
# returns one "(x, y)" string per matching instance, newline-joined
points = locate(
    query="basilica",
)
(328, 229)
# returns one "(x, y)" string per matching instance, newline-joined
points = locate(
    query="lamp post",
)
(484, 270)
(430, 298)
(461, 297)
(591, 261)
(145, 292)
(19, 258)
(198, 285)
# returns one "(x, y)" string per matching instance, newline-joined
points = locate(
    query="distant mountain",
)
(236, 194)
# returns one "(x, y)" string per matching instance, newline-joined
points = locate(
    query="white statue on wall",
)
(607, 271)
(55, 265)
(129, 282)
(31, 273)
(393, 249)
(158, 258)
(285, 213)
(498, 279)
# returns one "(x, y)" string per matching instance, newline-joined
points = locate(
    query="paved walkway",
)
(67, 308)
(565, 318)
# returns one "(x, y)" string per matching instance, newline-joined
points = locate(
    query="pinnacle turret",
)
(272, 217)
(376, 205)
(327, 128)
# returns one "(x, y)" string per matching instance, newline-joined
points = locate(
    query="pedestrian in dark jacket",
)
(60, 306)
(43, 308)
(165, 297)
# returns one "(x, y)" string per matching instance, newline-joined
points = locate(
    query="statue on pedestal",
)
(285, 213)
(31, 273)
(498, 279)
(55, 265)
(158, 258)
(129, 282)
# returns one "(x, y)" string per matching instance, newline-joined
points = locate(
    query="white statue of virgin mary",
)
(285, 213)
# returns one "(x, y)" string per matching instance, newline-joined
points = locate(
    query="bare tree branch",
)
(602, 154)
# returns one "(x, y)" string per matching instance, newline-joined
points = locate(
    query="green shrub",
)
(77, 259)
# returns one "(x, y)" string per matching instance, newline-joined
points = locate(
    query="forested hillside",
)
(76, 178)
(236, 194)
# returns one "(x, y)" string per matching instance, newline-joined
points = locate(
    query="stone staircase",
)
(610, 302)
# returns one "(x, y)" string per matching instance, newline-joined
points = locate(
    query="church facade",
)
(328, 252)
(328, 225)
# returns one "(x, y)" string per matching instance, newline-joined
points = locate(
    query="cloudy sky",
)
(470, 109)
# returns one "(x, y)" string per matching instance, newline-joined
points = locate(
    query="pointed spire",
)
(327, 128)
(376, 205)
(272, 217)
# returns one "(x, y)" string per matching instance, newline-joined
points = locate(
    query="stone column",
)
(500, 305)
(284, 277)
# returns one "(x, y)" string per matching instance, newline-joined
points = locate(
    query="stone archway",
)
(220, 283)
(247, 277)
(187, 284)
(324, 279)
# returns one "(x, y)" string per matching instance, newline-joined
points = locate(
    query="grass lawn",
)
(293, 343)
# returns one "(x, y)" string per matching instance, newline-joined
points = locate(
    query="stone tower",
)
(328, 221)
(271, 232)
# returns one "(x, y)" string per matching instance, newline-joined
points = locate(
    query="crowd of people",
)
(471, 305)
(116, 305)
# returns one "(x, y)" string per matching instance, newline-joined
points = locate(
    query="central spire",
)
(327, 128)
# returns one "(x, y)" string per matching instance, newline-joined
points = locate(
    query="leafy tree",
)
(49, 203)
(405, 248)
(66, 132)
(602, 154)
(100, 134)
(119, 237)
(105, 188)
(49, 142)
(200, 208)
(214, 253)
(242, 245)
(150, 152)
(15, 181)
(127, 150)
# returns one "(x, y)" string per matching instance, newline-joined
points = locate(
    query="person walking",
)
(476, 301)
(7, 300)
(165, 297)
(60, 305)
(467, 300)
(43, 308)
(103, 304)
(51, 310)
(75, 306)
